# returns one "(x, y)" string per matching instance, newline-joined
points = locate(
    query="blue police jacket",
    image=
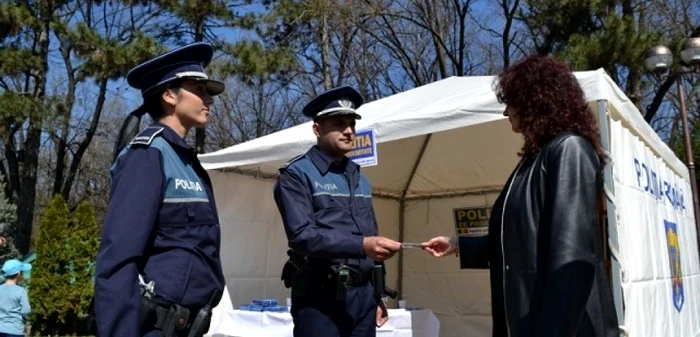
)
(162, 223)
(326, 208)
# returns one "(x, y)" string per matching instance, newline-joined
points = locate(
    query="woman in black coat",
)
(544, 248)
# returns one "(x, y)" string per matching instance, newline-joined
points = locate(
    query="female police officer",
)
(161, 228)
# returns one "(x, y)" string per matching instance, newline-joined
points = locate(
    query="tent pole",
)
(402, 209)
(602, 107)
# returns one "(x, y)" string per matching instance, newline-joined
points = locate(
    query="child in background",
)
(14, 301)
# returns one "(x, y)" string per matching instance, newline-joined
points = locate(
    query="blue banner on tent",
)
(364, 149)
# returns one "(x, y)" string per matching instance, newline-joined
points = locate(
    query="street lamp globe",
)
(690, 54)
(659, 59)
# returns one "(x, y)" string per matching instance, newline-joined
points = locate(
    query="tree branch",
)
(65, 113)
(659, 97)
(89, 134)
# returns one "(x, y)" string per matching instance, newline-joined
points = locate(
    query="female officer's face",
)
(513, 118)
(191, 104)
(335, 134)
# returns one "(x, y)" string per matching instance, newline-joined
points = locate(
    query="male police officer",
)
(161, 230)
(326, 207)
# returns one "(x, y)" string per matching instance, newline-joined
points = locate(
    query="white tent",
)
(445, 146)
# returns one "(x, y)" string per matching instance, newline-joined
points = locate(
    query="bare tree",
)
(246, 112)
(428, 39)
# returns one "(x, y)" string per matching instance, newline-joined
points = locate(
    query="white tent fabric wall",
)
(657, 240)
(425, 155)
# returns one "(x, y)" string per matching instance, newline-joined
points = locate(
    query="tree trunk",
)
(82, 148)
(65, 114)
(27, 199)
(12, 177)
(510, 16)
(634, 78)
(325, 51)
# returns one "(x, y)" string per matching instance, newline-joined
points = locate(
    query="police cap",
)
(337, 101)
(186, 62)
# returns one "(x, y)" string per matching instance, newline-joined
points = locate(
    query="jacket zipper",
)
(350, 187)
(352, 214)
(352, 200)
(503, 251)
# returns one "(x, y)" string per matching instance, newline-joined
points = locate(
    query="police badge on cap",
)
(338, 101)
(187, 62)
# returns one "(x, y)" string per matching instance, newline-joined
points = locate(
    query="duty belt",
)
(331, 275)
(171, 318)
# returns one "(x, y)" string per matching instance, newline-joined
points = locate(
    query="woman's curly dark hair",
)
(548, 100)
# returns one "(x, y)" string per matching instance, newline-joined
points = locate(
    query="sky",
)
(130, 98)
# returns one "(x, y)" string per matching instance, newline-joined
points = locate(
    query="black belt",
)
(327, 276)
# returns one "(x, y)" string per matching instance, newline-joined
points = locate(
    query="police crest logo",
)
(674, 259)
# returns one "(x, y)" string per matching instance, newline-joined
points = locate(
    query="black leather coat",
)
(548, 276)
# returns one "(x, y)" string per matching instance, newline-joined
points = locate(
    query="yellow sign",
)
(472, 221)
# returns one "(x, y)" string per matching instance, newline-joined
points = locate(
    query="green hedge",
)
(62, 276)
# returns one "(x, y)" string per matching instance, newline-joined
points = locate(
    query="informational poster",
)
(364, 149)
(472, 221)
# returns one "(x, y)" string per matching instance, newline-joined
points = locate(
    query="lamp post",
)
(658, 60)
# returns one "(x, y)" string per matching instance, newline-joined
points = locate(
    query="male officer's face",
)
(192, 104)
(335, 133)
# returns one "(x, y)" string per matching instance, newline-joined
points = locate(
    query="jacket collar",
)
(172, 137)
(323, 161)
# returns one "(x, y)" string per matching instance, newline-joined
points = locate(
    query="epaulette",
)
(285, 165)
(147, 135)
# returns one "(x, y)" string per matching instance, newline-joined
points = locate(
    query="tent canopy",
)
(441, 108)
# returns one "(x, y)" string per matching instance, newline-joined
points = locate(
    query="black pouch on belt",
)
(175, 321)
(343, 279)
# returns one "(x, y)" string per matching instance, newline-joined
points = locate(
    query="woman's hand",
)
(442, 246)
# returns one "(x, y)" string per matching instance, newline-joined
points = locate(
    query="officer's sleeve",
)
(295, 204)
(136, 196)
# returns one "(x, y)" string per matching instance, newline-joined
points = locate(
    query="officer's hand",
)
(441, 246)
(380, 248)
(382, 314)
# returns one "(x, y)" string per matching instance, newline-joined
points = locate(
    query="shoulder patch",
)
(146, 136)
(285, 165)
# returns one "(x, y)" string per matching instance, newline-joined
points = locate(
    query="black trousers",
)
(320, 315)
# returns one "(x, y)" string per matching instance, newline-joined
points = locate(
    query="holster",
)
(175, 321)
(296, 274)
(379, 282)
